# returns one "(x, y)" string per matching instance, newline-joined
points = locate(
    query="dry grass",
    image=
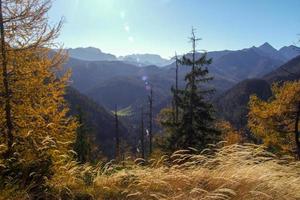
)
(231, 172)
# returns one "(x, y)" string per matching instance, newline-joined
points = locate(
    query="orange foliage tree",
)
(35, 131)
(275, 121)
(229, 133)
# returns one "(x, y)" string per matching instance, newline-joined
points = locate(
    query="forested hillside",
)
(99, 122)
(233, 104)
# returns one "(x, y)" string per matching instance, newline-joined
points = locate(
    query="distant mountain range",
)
(94, 54)
(232, 105)
(90, 54)
(290, 52)
(122, 82)
(145, 59)
(248, 63)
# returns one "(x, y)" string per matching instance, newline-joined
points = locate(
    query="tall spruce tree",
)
(174, 90)
(194, 127)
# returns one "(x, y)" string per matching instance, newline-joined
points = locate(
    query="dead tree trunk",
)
(176, 88)
(117, 136)
(6, 92)
(150, 98)
(142, 134)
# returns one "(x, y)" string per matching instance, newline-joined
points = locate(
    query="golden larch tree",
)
(34, 126)
(228, 133)
(275, 121)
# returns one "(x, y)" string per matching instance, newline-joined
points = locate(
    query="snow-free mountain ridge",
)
(265, 50)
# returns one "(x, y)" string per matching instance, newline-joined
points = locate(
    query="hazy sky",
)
(162, 26)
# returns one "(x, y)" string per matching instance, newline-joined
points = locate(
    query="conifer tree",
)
(195, 127)
(175, 100)
(33, 112)
(175, 92)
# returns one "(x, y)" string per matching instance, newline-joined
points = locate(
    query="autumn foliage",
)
(274, 120)
(229, 134)
(36, 133)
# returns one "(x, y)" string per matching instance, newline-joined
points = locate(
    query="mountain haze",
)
(145, 59)
(233, 104)
(290, 52)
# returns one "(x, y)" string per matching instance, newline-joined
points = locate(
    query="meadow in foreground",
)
(230, 172)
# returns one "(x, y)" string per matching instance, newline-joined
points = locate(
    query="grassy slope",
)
(231, 172)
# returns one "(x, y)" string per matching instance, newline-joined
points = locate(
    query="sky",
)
(123, 27)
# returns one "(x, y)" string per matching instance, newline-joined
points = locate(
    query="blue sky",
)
(124, 27)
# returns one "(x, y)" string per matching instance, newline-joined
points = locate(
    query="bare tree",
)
(119, 114)
(176, 89)
(117, 136)
(150, 99)
(142, 136)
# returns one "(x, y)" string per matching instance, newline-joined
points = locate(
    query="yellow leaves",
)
(38, 105)
(3, 148)
(273, 120)
(165, 115)
(229, 134)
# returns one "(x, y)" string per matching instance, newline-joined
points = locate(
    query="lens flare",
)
(144, 78)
